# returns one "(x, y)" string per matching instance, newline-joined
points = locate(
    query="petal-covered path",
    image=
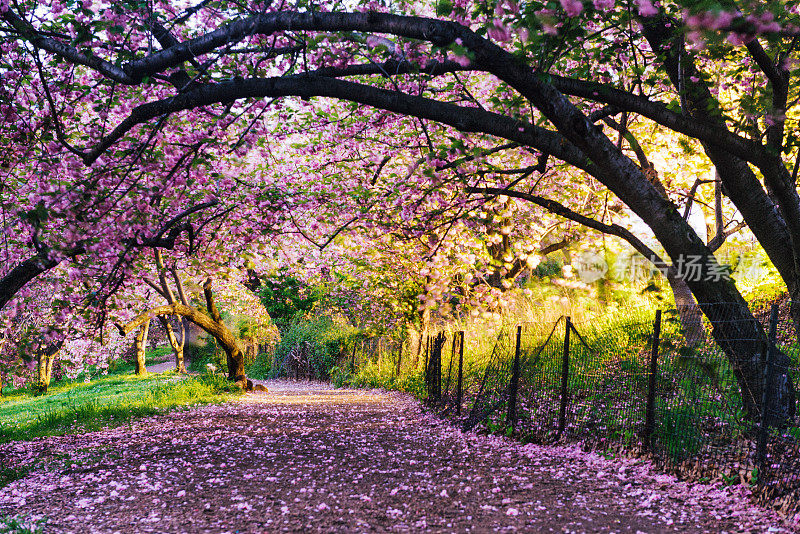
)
(307, 458)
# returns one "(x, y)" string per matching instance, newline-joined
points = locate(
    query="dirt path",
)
(307, 458)
(161, 367)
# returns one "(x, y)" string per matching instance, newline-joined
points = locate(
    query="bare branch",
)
(179, 287)
(70, 53)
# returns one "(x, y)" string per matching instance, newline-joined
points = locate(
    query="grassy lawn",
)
(107, 401)
(152, 357)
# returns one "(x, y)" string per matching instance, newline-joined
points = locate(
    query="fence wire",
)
(718, 407)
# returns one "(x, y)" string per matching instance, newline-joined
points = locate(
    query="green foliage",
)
(377, 375)
(677, 432)
(286, 298)
(548, 268)
(324, 342)
(210, 353)
(340, 376)
(109, 401)
(260, 368)
(17, 524)
(214, 383)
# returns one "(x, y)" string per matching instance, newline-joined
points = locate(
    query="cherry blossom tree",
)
(553, 73)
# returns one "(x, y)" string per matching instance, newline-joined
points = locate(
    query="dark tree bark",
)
(21, 275)
(689, 312)
(577, 141)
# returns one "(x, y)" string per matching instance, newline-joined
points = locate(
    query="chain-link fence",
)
(711, 399)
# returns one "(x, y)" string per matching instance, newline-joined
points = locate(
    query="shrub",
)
(261, 366)
(211, 353)
(375, 375)
(340, 376)
(316, 345)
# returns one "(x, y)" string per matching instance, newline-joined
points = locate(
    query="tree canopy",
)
(130, 126)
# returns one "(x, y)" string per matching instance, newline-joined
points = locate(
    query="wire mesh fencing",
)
(707, 394)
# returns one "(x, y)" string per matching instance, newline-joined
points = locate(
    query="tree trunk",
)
(177, 346)
(180, 360)
(141, 348)
(764, 219)
(2, 374)
(45, 358)
(41, 371)
(399, 360)
(734, 327)
(689, 313)
(424, 320)
(217, 330)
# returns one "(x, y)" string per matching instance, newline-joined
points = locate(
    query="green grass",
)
(152, 357)
(15, 524)
(108, 401)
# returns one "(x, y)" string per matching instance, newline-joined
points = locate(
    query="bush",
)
(211, 353)
(261, 366)
(312, 348)
(374, 375)
(340, 376)
(217, 384)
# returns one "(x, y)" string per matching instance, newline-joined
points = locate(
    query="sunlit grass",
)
(108, 401)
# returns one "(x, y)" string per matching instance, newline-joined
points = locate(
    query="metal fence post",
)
(511, 415)
(769, 372)
(650, 409)
(460, 371)
(446, 392)
(562, 412)
(438, 345)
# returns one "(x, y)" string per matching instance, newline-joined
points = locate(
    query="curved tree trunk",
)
(218, 330)
(177, 345)
(776, 232)
(211, 323)
(140, 346)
